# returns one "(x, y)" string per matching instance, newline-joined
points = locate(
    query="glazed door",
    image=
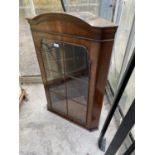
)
(67, 73)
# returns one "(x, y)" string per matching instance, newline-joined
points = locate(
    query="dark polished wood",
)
(96, 35)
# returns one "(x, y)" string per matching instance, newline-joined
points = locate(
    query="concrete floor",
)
(44, 133)
(28, 64)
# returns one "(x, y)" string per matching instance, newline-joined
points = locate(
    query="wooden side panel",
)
(94, 54)
(102, 72)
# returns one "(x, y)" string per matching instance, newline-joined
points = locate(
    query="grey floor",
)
(44, 133)
(28, 64)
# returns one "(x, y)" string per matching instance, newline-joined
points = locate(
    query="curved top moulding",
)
(67, 24)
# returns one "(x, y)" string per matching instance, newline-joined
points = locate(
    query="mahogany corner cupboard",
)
(74, 56)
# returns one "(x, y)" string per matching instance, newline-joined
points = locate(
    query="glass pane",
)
(77, 90)
(58, 86)
(124, 146)
(52, 56)
(58, 103)
(53, 76)
(128, 94)
(67, 71)
(121, 41)
(133, 131)
(76, 59)
(77, 111)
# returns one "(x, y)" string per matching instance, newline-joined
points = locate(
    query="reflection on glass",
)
(121, 41)
(58, 86)
(76, 60)
(128, 94)
(53, 75)
(52, 56)
(77, 90)
(58, 103)
(67, 72)
(77, 111)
